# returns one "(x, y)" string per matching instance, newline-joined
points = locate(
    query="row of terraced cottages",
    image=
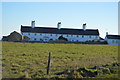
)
(33, 33)
(48, 33)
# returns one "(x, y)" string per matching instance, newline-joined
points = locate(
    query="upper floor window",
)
(67, 35)
(82, 36)
(89, 36)
(40, 33)
(96, 37)
(112, 41)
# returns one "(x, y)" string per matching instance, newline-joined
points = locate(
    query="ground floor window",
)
(41, 39)
(112, 41)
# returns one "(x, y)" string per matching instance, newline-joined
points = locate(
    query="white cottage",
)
(49, 33)
(112, 39)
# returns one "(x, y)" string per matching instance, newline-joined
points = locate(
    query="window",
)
(34, 38)
(67, 35)
(71, 35)
(40, 33)
(96, 37)
(28, 33)
(56, 34)
(112, 41)
(35, 34)
(89, 36)
(77, 35)
(82, 36)
(50, 34)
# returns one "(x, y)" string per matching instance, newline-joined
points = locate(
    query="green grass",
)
(32, 57)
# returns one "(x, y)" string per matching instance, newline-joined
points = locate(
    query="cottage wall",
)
(113, 41)
(48, 36)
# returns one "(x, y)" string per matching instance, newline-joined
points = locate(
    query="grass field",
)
(30, 60)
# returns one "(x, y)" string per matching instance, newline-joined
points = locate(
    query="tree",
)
(62, 38)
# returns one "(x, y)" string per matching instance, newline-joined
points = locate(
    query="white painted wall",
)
(47, 37)
(112, 41)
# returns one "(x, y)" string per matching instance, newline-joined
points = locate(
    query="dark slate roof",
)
(113, 36)
(61, 31)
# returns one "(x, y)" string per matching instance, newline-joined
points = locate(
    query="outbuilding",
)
(112, 39)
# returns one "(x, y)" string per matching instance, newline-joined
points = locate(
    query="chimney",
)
(106, 33)
(59, 25)
(33, 24)
(84, 27)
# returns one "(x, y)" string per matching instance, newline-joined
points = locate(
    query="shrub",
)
(105, 70)
(88, 72)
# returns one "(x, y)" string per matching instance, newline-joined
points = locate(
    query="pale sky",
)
(97, 15)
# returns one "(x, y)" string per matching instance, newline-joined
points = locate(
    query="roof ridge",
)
(61, 31)
(61, 28)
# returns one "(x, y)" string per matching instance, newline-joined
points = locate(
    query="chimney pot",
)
(33, 24)
(106, 33)
(84, 26)
(59, 25)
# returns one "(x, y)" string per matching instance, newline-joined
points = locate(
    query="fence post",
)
(48, 66)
